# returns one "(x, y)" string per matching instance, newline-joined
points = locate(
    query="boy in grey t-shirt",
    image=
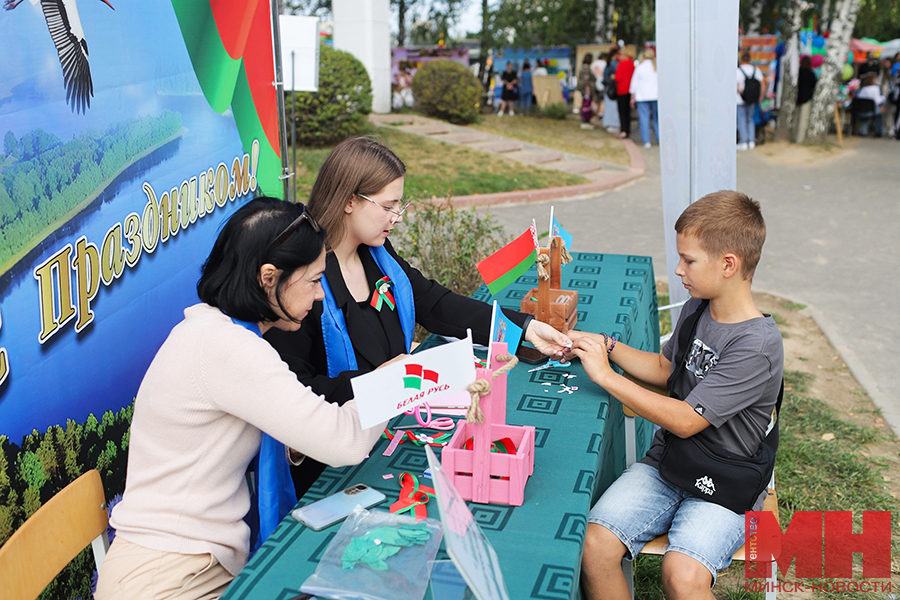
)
(733, 372)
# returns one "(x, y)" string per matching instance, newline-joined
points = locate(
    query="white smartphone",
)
(337, 507)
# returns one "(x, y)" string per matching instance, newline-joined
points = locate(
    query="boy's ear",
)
(732, 264)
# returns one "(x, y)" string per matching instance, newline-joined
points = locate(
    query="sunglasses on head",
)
(293, 227)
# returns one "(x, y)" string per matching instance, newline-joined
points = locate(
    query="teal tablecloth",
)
(579, 450)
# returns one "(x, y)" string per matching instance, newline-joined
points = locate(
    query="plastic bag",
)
(377, 555)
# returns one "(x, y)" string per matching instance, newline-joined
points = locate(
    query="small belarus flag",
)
(506, 264)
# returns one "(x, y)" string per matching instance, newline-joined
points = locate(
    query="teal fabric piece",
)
(579, 450)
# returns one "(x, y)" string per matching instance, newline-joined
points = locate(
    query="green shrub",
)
(447, 90)
(555, 111)
(445, 243)
(338, 110)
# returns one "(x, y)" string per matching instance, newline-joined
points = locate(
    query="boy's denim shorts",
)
(641, 505)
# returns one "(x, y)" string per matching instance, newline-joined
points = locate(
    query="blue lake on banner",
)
(100, 368)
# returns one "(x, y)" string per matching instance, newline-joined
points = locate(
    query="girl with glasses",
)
(358, 198)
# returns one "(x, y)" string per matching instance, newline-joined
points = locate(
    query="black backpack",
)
(752, 88)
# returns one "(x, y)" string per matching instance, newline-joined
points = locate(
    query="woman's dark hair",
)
(229, 278)
(805, 62)
(588, 59)
(526, 64)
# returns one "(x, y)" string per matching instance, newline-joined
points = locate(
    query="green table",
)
(579, 450)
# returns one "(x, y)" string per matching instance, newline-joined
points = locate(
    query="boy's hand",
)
(593, 359)
(546, 339)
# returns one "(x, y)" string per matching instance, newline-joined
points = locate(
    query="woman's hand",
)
(593, 358)
(546, 339)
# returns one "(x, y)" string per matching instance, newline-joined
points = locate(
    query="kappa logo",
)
(415, 374)
(706, 485)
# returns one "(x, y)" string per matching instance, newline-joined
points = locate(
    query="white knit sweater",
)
(209, 392)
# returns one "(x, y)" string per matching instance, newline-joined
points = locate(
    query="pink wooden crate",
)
(481, 475)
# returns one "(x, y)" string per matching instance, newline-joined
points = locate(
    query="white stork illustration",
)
(68, 37)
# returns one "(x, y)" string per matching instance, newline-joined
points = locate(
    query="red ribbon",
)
(413, 497)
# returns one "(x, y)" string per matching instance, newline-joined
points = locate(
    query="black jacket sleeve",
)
(304, 352)
(444, 312)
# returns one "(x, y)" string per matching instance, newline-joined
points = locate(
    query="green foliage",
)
(447, 90)
(52, 178)
(34, 472)
(879, 19)
(338, 110)
(445, 243)
(554, 111)
(10, 145)
(544, 23)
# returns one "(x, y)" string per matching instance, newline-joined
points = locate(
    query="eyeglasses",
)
(399, 212)
(293, 227)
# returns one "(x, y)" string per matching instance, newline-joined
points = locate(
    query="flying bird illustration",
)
(68, 37)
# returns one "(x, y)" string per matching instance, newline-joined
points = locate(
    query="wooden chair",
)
(53, 536)
(658, 545)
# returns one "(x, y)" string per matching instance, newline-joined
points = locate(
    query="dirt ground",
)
(807, 349)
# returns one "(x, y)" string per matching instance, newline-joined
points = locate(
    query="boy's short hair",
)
(726, 221)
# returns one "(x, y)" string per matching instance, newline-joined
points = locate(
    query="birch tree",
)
(784, 129)
(756, 11)
(600, 30)
(823, 101)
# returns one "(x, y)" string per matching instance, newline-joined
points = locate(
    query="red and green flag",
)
(506, 264)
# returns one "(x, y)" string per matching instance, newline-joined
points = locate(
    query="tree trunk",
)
(600, 30)
(611, 21)
(756, 11)
(822, 111)
(825, 17)
(485, 41)
(784, 130)
(401, 25)
(637, 33)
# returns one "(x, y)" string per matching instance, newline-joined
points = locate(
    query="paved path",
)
(833, 243)
(602, 176)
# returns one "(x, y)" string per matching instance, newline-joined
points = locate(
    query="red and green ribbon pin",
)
(382, 294)
(413, 496)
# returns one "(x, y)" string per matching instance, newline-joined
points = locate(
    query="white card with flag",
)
(389, 391)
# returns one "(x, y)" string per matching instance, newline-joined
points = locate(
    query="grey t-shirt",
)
(733, 375)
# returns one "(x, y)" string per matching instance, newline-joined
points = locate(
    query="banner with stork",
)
(130, 130)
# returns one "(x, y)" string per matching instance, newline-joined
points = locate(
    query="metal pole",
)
(293, 127)
(286, 173)
(692, 130)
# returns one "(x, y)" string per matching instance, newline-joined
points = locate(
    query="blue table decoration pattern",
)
(579, 450)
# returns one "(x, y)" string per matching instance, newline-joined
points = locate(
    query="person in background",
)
(645, 94)
(624, 71)
(526, 87)
(611, 110)
(895, 94)
(869, 89)
(358, 198)
(213, 388)
(587, 83)
(870, 66)
(886, 82)
(597, 68)
(806, 85)
(487, 81)
(747, 102)
(540, 68)
(509, 91)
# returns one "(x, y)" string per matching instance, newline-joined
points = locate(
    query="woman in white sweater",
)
(645, 94)
(211, 391)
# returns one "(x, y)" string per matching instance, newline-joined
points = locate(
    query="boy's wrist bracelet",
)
(610, 349)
